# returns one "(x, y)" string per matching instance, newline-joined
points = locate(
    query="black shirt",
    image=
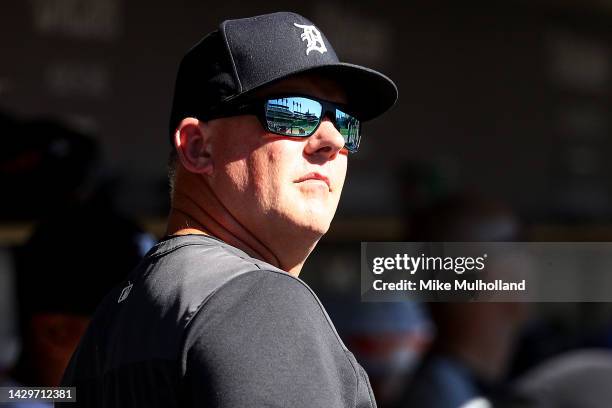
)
(200, 323)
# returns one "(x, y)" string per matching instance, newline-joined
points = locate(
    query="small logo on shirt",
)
(312, 36)
(125, 292)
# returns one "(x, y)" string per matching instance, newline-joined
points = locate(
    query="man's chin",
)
(312, 221)
(316, 228)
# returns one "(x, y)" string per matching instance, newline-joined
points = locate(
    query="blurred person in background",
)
(474, 342)
(62, 275)
(263, 120)
(389, 339)
(81, 247)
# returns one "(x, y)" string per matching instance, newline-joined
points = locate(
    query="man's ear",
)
(192, 143)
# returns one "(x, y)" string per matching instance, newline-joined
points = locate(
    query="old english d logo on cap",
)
(266, 48)
(312, 36)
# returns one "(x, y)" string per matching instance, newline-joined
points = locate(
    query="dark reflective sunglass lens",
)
(293, 116)
(349, 128)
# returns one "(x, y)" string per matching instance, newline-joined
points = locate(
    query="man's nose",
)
(326, 141)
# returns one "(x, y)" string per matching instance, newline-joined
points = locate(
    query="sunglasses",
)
(298, 116)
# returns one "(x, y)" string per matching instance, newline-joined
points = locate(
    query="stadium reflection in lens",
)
(293, 116)
(348, 126)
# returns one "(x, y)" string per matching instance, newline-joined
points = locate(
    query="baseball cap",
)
(244, 55)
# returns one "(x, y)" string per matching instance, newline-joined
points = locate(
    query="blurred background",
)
(502, 132)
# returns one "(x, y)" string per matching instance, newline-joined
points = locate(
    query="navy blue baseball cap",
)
(247, 54)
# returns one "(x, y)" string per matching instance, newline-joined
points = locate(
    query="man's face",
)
(280, 188)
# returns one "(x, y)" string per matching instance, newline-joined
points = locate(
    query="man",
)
(263, 118)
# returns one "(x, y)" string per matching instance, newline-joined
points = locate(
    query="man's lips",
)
(314, 176)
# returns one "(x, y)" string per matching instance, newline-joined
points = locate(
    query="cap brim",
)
(369, 93)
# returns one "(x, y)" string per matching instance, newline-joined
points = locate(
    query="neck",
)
(197, 210)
